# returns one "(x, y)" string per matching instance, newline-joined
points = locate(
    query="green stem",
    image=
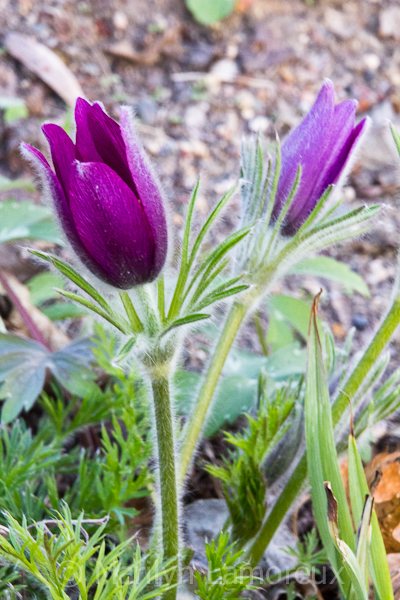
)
(261, 333)
(293, 486)
(369, 358)
(166, 461)
(194, 426)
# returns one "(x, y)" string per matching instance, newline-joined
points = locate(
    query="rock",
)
(147, 110)
(196, 116)
(360, 322)
(371, 61)
(338, 23)
(259, 124)
(204, 520)
(199, 55)
(245, 100)
(120, 20)
(389, 22)
(225, 70)
(378, 272)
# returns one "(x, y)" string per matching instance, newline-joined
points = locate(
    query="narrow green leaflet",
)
(73, 276)
(396, 137)
(334, 270)
(358, 491)
(120, 324)
(185, 321)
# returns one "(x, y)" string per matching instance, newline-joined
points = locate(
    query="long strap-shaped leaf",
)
(358, 490)
(321, 449)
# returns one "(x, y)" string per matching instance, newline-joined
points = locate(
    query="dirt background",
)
(197, 90)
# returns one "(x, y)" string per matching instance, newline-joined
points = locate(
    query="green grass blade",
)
(327, 444)
(315, 381)
(396, 136)
(364, 536)
(358, 490)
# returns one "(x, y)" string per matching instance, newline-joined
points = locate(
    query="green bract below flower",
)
(106, 197)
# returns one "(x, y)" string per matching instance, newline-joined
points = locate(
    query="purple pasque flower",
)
(322, 144)
(106, 198)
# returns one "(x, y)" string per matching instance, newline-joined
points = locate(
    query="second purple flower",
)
(322, 144)
(106, 197)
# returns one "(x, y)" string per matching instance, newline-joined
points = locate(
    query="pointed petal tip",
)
(33, 155)
(328, 84)
(81, 103)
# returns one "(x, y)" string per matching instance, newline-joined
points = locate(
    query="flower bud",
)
(106, 197)
(323, 145)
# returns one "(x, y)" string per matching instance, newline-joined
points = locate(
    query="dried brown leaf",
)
(55, 338)
(387, 496)
(45, 64)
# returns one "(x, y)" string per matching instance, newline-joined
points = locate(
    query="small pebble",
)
(177, 220)
(360, 322)
(259, 124)
(120, 20)
(349, 194)
(371, 61)
(245, 99)
(225, 70)
(196, 116)
(147, 110)
(389, 22)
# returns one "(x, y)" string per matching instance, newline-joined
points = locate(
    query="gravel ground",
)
(197, 90)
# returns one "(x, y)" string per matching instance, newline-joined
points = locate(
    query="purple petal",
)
(62, 152)
(338, 146)
(85, 148)
(54, 189)
(112, 226)
(99, 139)
(53, 186)
(305, 146)
(148, 189)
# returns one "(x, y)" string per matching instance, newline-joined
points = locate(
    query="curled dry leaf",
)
(394, 568)
(45, 64)
(55, 338)
(387, 497)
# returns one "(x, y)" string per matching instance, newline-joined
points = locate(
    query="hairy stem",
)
(193, 429)
(167, 467)
(293, 486)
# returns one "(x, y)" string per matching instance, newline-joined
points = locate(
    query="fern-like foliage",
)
(61, 557)
(242, 474)
(227, 576)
